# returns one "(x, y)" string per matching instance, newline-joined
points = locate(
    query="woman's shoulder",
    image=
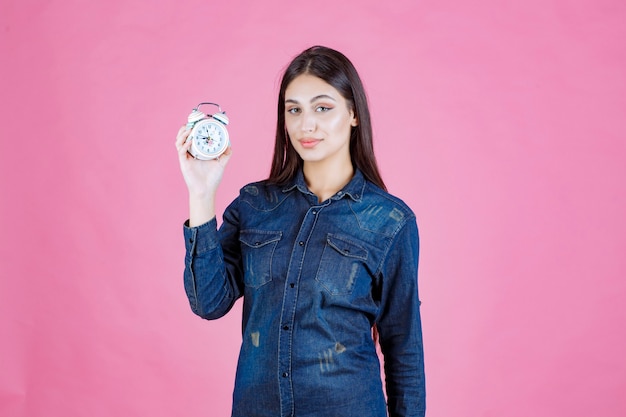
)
(262, 194)
(381, 211)
(373, 194)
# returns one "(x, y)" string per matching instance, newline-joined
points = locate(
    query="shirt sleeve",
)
(212, 276)
(399, 326)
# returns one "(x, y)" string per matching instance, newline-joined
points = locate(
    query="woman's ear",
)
(355, 121)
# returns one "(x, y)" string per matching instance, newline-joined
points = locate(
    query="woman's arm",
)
(399, 326)
(210, 278)
(213, 274)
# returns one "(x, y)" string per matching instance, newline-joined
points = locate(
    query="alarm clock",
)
(208, 136)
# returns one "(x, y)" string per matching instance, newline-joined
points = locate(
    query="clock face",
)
(210, 139)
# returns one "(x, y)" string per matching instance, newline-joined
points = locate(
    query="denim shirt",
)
(315, 278)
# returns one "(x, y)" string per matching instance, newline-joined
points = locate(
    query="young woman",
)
(321, 254)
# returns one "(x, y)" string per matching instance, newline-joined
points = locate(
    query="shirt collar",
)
(354, 189)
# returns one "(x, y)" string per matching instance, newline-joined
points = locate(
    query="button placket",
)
(290, 296)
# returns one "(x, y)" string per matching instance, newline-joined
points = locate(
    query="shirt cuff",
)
(200, 239)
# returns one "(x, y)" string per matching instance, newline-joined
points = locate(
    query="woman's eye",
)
(323, 108)
(293, 110)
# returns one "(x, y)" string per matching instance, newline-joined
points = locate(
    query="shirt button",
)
(285, 327)
(285, 374)
(301, 243)
(190, 240)
(292, 285)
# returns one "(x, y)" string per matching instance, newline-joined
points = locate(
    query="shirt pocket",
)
(257, 249)
(342, 261)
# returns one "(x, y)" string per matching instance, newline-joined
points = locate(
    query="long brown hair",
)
(334, 68)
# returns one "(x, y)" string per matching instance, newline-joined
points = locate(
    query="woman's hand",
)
(202, 179)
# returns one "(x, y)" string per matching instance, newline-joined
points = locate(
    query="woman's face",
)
(318, 120)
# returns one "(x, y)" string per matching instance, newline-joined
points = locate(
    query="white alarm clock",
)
(208, 136)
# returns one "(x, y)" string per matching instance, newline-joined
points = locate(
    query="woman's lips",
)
(309, 142)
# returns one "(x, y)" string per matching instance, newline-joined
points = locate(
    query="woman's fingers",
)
(226, 154)
(187, 161)
(223, 158)
(182, 145)
(181, 136)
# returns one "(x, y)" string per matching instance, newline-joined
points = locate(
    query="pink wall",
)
(500, 123)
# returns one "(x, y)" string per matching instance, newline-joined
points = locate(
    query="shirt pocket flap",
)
(258, 238)
(346, 247)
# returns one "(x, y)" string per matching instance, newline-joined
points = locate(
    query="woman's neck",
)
(325, 181)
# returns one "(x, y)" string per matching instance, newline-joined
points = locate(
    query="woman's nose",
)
(308, 122)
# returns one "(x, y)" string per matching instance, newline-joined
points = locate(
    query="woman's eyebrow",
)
(321, 96)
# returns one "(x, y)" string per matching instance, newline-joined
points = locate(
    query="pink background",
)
(501, 123)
